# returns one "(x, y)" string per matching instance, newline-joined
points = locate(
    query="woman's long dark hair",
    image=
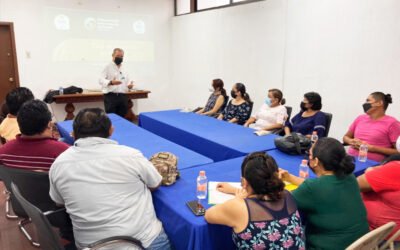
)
(218, 83)
(385, 98)
(242, 89)
(261, 172)
(333, 156)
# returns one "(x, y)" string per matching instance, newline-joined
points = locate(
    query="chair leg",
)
(8, 212)
(21, 225)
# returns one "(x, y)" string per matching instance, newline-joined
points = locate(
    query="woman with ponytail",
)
(262, 215)
(217, 101)
(332, 203)
(374, 128)
(239, 108)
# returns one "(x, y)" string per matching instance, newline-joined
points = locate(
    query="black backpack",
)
(294, 144)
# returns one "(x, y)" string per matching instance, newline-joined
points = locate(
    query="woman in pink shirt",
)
(374, 128)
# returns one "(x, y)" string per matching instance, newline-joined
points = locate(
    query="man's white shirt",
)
(113, 72)
(104, 187)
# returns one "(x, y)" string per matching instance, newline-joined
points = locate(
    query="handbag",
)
(294, 144)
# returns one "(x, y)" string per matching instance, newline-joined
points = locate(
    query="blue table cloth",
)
(127, 133)
(187, 231)
(218, 140)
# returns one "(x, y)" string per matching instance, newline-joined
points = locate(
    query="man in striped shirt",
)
(34, 148)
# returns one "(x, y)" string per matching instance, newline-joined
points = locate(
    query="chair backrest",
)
(389, 242)
(328, 119)
(48, 239)
(17, 208)
(222, 108)
(116, 242)
(289, 112)
(373, 239)
(33, 185)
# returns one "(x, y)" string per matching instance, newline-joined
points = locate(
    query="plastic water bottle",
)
(314, 137)
(363, 153)
(201, 186)
(303, 169)
(61, 90)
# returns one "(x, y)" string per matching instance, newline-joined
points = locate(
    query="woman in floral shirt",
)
(239, 108)
(262, 215)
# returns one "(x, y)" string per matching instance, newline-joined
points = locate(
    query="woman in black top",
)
(239, 108)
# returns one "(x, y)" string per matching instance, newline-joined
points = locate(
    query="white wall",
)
(238, 44)
(342, 49)
(34, 69)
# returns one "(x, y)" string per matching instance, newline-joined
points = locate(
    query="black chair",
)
(35, 186)
(328, 118)
(51, 241)
(289, 112)
(5, 179)
(281, 131)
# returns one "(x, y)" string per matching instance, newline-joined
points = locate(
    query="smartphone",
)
(196, 208)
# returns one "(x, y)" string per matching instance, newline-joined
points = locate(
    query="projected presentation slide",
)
(81, 42)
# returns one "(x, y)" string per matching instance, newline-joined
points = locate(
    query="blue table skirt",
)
(127, 133)
(218, 140)
(185, 230)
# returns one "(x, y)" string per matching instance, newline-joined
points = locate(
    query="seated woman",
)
(239, 109)
(332, 203)
(310, 118)
(217, 100)
(380, 189)
(272, 114)
(263, 215)
(374, 128)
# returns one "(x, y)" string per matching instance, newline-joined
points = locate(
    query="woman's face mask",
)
(303, 106)
(233, 93)
(268, 101)
(366, 106)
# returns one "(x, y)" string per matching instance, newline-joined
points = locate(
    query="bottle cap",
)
(304, 162)
(202, 173)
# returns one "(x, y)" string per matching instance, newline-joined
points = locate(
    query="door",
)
(8, 60)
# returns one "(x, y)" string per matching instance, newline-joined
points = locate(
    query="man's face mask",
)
(118, 60)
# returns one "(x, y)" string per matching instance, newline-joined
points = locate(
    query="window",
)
(207, 4)
(182, 7)
(191, 6)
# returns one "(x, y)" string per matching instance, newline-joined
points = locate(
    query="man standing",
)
(115, 83)
(105, 187)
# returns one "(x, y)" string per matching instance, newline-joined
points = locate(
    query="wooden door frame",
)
(14, 50)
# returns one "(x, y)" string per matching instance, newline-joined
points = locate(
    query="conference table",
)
(218, 140)
(187, 231)
(127, 133)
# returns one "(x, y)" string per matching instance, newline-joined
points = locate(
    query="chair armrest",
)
(114, 240)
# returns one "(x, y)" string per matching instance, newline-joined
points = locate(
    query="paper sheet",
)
(217, 197)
